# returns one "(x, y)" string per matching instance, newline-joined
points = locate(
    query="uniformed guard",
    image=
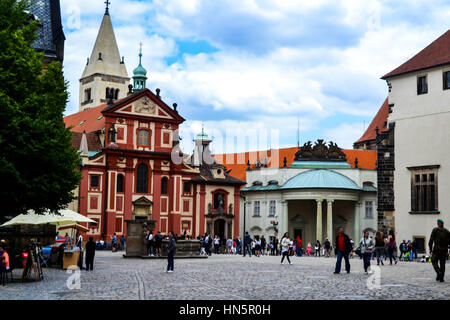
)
(438, 244)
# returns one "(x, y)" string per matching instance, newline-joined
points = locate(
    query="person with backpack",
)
(379, 247)
(365, 246)
(391, 246)
(247, 244)
(263, 245)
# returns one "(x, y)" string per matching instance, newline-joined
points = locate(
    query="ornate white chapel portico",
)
(318, 193)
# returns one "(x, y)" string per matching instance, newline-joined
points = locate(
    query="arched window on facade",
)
(143, 137)
(107, 93)
(119, 183)
(142, 179)
(164, 182)
(116, 94)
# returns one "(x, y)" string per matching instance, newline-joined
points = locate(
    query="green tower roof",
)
(202, 135)
(140, 70)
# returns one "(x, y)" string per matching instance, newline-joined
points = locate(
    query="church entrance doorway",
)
(219, 230)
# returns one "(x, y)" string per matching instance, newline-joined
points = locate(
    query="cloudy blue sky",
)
(247, 66)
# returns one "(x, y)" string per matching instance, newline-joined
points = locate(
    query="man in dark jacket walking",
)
(90, 254)
(343, 249)
(247, 244)
(438, 245)
(171, 252)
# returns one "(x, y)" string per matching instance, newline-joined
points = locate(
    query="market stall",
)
(72, 256)
(65, 254)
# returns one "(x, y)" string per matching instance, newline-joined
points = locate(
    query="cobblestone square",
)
(227, 277)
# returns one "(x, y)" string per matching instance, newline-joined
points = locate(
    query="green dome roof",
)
(202, 135)
(324, 179)
(140, 70)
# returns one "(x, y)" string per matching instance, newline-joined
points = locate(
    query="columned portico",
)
(319, 220)
(330, 220)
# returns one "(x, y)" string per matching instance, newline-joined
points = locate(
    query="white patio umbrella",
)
(65, 216)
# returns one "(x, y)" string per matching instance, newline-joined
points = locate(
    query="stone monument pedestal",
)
(137, 237)
(186, 249)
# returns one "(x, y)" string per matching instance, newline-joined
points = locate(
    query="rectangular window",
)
(87, 95)
(272, 208)
(424, 189)
(256, 209)
(446, 76)
(422, 86)
(143, 137)
(187, 187)
(369, 209)
(94, 181)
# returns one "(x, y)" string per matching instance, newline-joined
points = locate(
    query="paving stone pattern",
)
(227, 277)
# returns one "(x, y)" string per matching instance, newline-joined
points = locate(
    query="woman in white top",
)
(366, 245)
(285, 243)
(257, 246)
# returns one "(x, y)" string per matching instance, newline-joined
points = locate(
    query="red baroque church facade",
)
(128, 145)
(128, 172)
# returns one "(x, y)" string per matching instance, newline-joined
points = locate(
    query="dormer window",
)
(422, 85)
(257, 183)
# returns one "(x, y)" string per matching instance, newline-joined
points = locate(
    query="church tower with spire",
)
(105, 75)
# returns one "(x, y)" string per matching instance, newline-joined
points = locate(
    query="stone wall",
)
(385, 180)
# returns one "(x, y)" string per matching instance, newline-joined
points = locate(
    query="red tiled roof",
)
(93, 141)
(88, 120)
(436, 54)
(366, 159)
(379, 121)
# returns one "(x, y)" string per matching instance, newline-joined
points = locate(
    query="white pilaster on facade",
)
(285, 217)
(357, 222)
(319, 220)
(330, 220)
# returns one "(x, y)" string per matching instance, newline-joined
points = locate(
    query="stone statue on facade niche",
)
(209, 208)
(230, 209)
(146, 106)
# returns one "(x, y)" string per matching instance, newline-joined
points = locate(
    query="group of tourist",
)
(438, 247)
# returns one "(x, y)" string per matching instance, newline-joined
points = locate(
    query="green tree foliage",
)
(38, 165)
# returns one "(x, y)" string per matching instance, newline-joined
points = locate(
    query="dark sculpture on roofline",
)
(320, 152)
